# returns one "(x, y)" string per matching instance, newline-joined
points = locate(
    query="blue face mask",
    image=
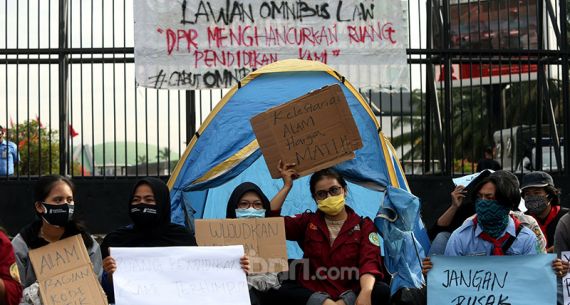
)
(492, 216)
(250, 213)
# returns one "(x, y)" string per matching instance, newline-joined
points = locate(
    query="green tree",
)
(38, 147)
(164, 154)
(469, 122)
(141, 159)
(472, 126)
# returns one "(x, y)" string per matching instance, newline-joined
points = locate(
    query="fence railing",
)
(484, 73)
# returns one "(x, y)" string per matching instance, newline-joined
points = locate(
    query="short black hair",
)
(507, 188)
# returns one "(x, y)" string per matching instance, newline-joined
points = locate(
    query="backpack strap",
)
(511, 239)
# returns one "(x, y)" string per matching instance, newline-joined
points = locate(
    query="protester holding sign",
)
(341, 250)
(542, 202)
(54, 204)
(462, 209)
(493, 231)
(248, 201)
(10, 288)
(149, 209)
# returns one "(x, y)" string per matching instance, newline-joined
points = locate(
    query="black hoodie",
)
(163, 234)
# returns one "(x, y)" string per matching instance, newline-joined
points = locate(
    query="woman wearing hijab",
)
(248, 201)
(149, 209)
(54, 205)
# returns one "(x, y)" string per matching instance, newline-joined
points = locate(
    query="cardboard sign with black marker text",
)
(65, 273)
(314, 131)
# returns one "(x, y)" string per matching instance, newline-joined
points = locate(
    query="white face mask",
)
(250, 213)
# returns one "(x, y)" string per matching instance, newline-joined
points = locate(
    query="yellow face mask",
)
(331, 205)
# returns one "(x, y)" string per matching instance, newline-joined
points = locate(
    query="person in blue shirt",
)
(493, 231)
(8, 155)
(488, 233)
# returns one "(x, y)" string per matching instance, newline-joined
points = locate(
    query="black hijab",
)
(163, 234)
(239, 191)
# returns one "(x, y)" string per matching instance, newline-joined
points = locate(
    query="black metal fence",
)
(484, 73)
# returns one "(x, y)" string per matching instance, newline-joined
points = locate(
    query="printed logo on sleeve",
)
(374, 239)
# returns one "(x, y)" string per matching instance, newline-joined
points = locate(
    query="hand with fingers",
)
(244, 263)
(560, 267)
(426, 265)
(457, 196)
(288, 173)
(110, 266)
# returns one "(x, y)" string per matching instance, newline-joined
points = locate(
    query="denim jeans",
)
(439, 243)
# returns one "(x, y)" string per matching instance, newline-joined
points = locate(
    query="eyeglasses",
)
(258, 205)
(333, 191)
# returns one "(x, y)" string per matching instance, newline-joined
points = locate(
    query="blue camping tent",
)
(224, 153)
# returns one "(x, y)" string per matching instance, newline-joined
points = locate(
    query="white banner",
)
(182, 44)
(180, 275)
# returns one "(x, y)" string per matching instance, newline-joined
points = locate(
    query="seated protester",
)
(149, 209)
(466, 208)
(10, 288)
(461, 208)
(333, 238)
(54, 206)
(248, 201)
(542, 202)
(493, 231)
(511, 181)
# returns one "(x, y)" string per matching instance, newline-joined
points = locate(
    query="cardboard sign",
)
(314, 131)
(65, 273)
(263, 240)
(493, 280)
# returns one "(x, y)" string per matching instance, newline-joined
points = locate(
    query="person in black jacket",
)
(149, 209)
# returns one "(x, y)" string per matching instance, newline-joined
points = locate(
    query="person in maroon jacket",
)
(10, 288)
(341, 252)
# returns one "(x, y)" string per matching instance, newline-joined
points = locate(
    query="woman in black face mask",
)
(54, 205)
(149, 209)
